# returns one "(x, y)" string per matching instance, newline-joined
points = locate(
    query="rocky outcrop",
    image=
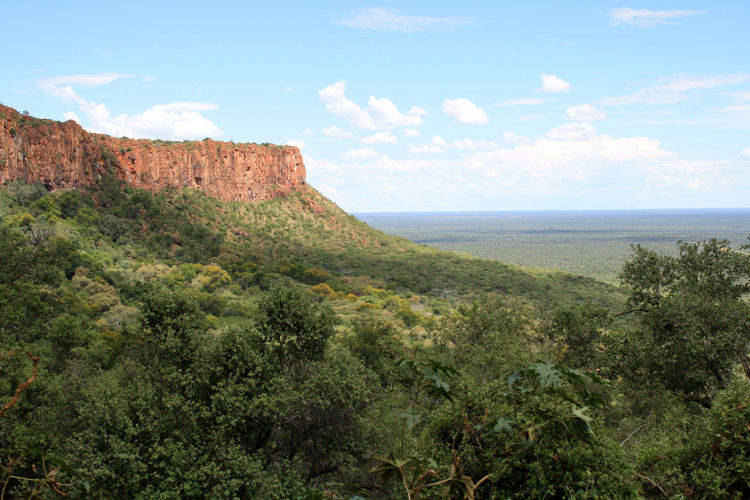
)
(62, 155)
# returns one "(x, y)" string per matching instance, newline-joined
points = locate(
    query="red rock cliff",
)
(64, 156)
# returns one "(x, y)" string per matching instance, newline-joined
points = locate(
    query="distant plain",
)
(592, 243)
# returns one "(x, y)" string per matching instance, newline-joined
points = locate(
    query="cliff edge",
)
(62, 155)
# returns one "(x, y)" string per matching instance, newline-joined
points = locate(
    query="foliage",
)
(694, 319)
(542, 410)
(192, 348)
(291, 327)
(581, 329)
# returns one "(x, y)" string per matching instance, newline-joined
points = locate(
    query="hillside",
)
(288, 236)
(163, 343)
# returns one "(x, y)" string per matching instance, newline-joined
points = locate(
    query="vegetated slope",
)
(293, 236)
(314, 231)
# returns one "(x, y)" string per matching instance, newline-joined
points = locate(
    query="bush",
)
(25, 194)
(718, 455)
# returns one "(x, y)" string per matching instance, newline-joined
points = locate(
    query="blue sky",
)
(415, 106)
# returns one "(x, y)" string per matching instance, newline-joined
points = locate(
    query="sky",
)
(417, 106)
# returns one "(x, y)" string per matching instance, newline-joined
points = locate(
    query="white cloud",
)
(387, 164)
(71, 115)
(472, 145)
(742, 110)
(572, 154)
(328, 191)
(288, 88)
(572, 132)
(645, 96)
(84, 80)
(675, 89)
(647, 18)
(380, 113)
(512, 138)
(522, 101)
(379, 138)
(411, 132)
(359, 154)
(434, 147)
(296, 143)
(745, 154)
(374, 19)
(336, 133)
(307, 132)
(174, 121)
(427, 148)
(464, 111)
(554, 85)
(585, 113)
(684, 83)
(317, 166)
(188, 106)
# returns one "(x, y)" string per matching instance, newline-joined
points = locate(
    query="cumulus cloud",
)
(359, 154)
(585, 113)
(473, 145)
(568, 154)
(675, 89)
(379, 138)
(388, 164)
(522, 101)
(745, 154)
(572, 132)
(175, 121)
(375, 19)
(295, 143)
(512, 138)
(336, 133)
(317, 166)
(464, 111)
(434, 147)
(328, 190)
(380, 113)
(426, 148)
(551, 84)
(647, 18)
(188, 106)
(411, 132)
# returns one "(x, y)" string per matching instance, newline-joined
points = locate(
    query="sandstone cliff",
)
(65, 156)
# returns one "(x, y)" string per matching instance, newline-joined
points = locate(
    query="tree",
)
(694, 318)
(291, 326)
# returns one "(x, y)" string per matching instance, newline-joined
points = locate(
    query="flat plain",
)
(592, 243)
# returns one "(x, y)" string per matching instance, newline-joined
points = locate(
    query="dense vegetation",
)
(167, 345)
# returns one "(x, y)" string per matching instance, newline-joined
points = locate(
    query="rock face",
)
(65, 156)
